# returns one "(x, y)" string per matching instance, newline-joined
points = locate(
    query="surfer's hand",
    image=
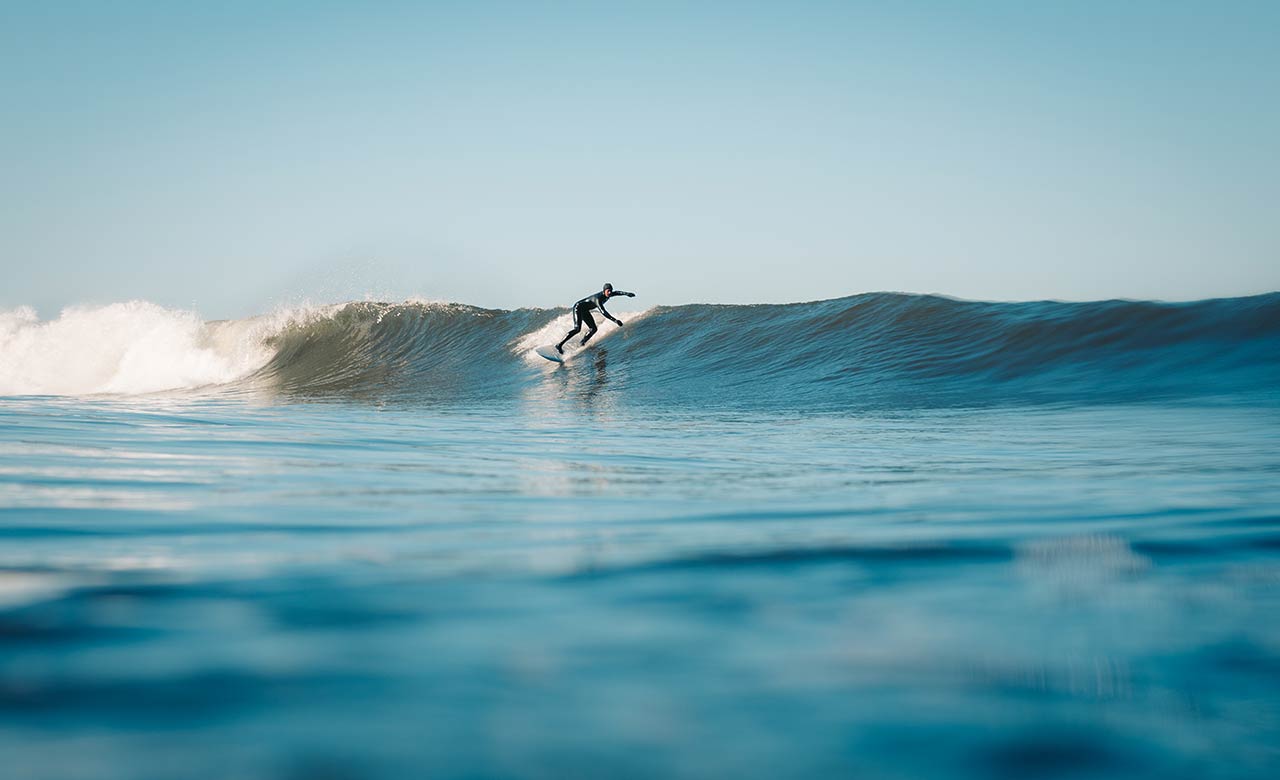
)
(631, 295)
(619, 323)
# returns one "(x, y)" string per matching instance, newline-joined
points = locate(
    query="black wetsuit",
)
(582, 314)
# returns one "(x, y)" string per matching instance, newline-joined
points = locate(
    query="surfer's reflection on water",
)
(595, 380)
(581, 381)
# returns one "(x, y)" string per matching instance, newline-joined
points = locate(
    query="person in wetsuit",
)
(582, 313)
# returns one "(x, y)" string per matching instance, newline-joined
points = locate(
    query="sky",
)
(233, 157)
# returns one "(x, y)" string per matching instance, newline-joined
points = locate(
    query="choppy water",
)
(883, 536)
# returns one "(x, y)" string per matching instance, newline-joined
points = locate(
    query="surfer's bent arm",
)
(600, 306)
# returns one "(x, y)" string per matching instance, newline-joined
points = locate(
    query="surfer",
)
(582, 313)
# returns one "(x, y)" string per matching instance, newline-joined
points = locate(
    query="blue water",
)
(1051, 548)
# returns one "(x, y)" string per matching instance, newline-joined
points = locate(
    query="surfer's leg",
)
(569, 335)
(577, 326)
(591, 327)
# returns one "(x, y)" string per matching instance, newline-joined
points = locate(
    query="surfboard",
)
(549, 352)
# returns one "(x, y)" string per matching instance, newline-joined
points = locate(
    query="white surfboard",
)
(549, 352)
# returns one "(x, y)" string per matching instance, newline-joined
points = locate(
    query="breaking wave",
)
(880, 349)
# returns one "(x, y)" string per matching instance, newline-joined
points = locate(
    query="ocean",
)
(881, 536)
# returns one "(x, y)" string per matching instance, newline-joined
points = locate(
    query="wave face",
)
(873, 350)
(908, 350)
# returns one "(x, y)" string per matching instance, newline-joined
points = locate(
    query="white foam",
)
(130, 348)
(553, 331)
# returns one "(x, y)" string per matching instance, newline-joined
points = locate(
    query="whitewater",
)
(882, 535)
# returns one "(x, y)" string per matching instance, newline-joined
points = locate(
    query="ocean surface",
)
(882, 536)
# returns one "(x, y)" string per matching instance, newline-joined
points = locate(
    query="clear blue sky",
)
(232, 156)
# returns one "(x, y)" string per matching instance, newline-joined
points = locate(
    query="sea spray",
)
(555, 330)
(134, 347)
(128, 348)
